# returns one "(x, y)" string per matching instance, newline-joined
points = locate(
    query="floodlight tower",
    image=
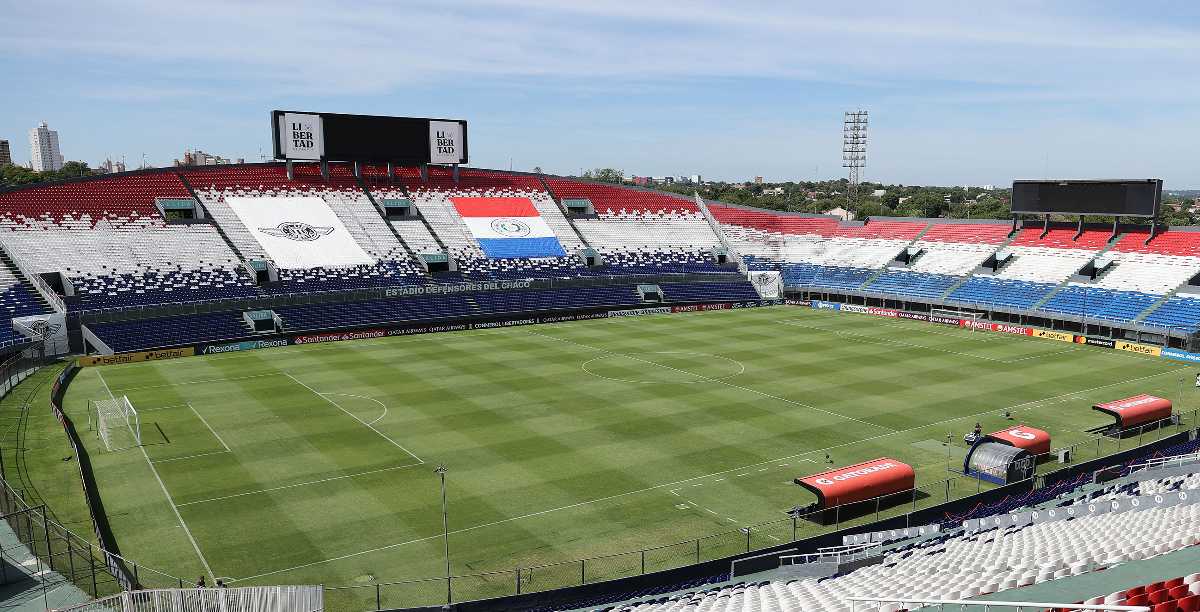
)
(854, 150)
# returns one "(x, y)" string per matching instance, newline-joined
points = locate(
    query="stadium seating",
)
(1177, 312)
(1097, 303)
(958, 565)
(994, 291)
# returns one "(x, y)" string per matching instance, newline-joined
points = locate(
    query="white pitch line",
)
(381, 404)
(353, 416)
(200, 382)
(299, 484)
(210, 429)
(196, 456)
(711, 379)
(688, 480)
(167, 493)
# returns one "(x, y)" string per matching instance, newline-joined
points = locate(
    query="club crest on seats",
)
(296, 230)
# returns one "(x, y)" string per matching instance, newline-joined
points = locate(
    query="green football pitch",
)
(315, 464)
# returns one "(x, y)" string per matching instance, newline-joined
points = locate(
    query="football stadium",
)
(371, 376)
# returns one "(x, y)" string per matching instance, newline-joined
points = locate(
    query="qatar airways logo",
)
(856, 473)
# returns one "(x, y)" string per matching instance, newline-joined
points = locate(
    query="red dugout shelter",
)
(1136, 410)
(1034, 440)
(859, 482)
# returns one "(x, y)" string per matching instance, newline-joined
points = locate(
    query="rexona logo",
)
(248, 345)
(297, 230)
(856, 473)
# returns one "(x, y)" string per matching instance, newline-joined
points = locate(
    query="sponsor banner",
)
(701, 307)
(854, 308)
(429, 329)
(301, 136)
(460, 288)
(248, 345)
(1141, 349)
(639, 312)
(915, 316)
(1178, 355)
(97, 360)
(823, 305)
(298, 232)
(363, 334)
(1054, 335)
(883, 312)
(498, 324)
(955, 321)
(1093, 341)
(1012, 329)
(798, 302)
(446, 142)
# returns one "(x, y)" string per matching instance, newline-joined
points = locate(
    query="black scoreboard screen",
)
(1126, 198)
(368, 138)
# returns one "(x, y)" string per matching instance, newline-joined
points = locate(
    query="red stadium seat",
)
(1191, 603)
(1178, 592)
(1164, 607)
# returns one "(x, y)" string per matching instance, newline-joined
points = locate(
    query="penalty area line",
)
(166, 493)
(353, 416)
(298, 484)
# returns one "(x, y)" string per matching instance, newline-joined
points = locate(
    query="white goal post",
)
(116, 422)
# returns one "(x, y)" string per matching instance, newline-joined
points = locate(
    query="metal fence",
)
(60, 550)
(550, 576)
(241, 599)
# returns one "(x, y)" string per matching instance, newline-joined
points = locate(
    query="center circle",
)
(663, 367)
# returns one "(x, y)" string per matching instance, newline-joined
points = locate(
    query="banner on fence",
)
(96, 360)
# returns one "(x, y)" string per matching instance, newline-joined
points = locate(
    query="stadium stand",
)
(961, 565)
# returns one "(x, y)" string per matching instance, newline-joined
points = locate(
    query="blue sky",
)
(959, 92)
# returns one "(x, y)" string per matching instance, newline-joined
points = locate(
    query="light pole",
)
(441, 472)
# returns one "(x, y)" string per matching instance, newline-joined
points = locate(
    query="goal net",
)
(116, 422)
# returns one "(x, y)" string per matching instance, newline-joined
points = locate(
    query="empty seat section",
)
(915, 284)
(1098, 303)
(993, 291)
(1176, 313)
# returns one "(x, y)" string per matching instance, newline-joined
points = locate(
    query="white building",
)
(44, 152)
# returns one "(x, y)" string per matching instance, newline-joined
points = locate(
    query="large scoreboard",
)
(368, 138)
(1125, 198)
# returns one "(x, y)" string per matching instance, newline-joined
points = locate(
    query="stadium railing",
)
(863, 604)
(241, 599)
(318, 296)
(950, 501)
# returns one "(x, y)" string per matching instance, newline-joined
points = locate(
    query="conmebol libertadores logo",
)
(296, 230)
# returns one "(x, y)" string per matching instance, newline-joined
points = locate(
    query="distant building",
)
(696, 178)
(200, 158)
(640, 181)
(44, 152)
(109, 166)
(879, 193)
(841, 213)
(758, 180)
(5, 153)
(775, 191)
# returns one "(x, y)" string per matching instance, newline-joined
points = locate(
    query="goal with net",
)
(116, 422)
